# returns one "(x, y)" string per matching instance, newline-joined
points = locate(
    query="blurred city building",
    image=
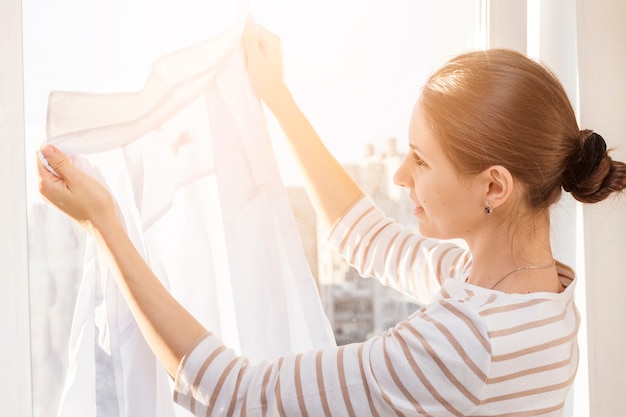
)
(358, 308)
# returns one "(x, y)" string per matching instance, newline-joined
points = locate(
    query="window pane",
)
(357, 80)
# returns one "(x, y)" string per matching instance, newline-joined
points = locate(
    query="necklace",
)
(521, 269)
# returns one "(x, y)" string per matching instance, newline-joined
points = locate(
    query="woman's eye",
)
(419, 161)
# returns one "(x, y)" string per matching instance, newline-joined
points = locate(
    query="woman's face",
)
(447, 204)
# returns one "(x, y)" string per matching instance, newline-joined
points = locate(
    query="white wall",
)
(507, 24)
(14, 322)
(602, 85)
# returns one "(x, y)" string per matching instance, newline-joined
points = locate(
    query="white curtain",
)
(189, 161)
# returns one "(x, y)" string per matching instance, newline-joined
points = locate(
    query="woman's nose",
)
(401, 178)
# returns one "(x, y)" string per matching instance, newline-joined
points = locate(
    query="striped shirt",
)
(470, 351)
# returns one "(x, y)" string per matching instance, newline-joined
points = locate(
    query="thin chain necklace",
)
(521, 269)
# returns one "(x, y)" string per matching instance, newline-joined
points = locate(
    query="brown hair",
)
(498, 107)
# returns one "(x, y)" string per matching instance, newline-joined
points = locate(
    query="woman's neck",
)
(514, 257)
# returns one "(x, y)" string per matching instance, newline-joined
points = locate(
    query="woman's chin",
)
(423, 229)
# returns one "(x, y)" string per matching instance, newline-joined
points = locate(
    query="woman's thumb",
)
(55, 161)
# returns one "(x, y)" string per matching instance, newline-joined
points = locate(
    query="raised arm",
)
(169, 329)
(331, 189)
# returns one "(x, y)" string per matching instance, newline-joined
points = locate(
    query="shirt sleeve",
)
(434, 363)
(379, 247)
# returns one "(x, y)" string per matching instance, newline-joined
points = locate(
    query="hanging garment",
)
(190, 164)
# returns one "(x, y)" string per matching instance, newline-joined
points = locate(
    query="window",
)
(379, 82)
(38, 321)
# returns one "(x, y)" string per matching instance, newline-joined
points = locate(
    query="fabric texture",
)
(190, 164)
(470, 352)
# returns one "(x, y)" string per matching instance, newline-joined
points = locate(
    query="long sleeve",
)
(470, 351)
(398, 257)
(435, 363)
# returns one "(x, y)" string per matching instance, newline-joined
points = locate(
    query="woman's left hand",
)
(75, 193)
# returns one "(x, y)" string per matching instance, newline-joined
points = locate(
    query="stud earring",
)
(488, 209)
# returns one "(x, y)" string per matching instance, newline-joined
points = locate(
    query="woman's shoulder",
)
(533, 316)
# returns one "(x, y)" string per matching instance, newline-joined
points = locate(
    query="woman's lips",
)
(418, 210)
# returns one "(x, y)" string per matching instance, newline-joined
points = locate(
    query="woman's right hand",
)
(264, 62)
(73, 192)
(331, 189)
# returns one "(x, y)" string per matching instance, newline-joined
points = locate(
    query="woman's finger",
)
(250, 32)
(58, 162)
(250, 40)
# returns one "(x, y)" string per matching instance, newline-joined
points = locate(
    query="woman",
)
(493, 139)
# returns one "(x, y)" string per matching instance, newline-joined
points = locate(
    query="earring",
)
(488, 209)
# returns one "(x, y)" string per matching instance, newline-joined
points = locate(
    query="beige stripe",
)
(266, 379)
(565, 271)
(387, 250)
(387, 399)
(366, 386)
(566, 277)
(457, 346)
(279, 400)
(530, 413)
(399, 384)
(469, 323)
(427, 273)
(342, 215)
(530, 371)
(298, 382)
(368, 241)
(444, 293)
(454, 264)
(320, 382)
(416, 249)
(530, 392)
(399, 254)
(420, 375)
(390, 403)
(534, 349)
(349, 231)
(190, 349)
(244, 407)
(442, 366)
(530, 325)
(200, 374)
(343, 382)
(511, 307)
(490, 300)
(440, 263)
(219, 386)
(233, 400)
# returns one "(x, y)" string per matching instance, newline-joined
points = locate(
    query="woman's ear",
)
(498, 185)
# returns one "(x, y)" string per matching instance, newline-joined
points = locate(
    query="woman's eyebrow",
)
(415, 149)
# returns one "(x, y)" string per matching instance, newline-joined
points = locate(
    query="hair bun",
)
(582, 164)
